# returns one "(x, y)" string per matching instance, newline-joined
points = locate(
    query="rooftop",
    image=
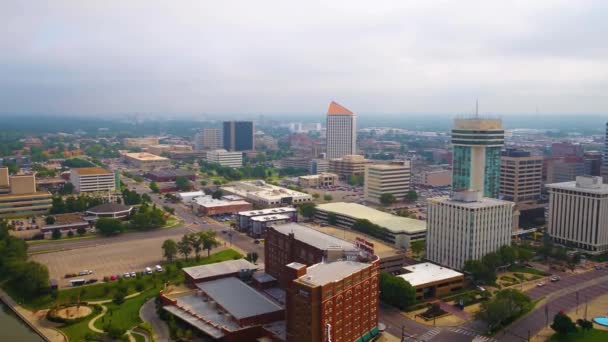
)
(109, 208)
(394, 223)
(85, 171)
(324, 273)
(483, 202)
(219, 269)
(143, 156)
(337, 109)
(425, 273)
(240, 300)
(270, 211)
(592, 185)
(273, 217)
(313, 237)
(208, 202)
(171, 173)
(261, 189)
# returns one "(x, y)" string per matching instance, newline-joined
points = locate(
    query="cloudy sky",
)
(403, 56)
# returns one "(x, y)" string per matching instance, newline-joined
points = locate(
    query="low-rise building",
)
(225, 158)
(20, 197)
(181, 155)
(320, 179)
(437, 178)
(295, 163)
(393, 178)
(146, 161)
(170, 175)
(229, 268)
(188, 197)
(319, 166)
(245, 219)
(140, 142)
(266, 195)
(431, 281)
(92, 179)
(208, 206)
(109, 210)
(167, 148)
(348, 165)
(66, 222)
(398, 231)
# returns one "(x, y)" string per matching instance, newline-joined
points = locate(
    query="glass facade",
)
(238, 135)
(461, 168)
(492, 172)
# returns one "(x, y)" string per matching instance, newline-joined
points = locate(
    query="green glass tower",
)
(477, 143)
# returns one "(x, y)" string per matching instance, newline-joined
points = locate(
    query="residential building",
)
(397, 231)
(266, 195)
(208, 206)
(393, 178)
(140, 142)
(319, 166)
(293, 242)
(333, 301)
(432, 281)
(341, 131)
(225, 158)
(20, 197)
(348, 166)
(245, 219)
(146, 161)
(321, 179)
(466, 227)
(92, 179)
(520, 176)
(437, 178)
(238, 136)
(477, 144)
(208, 139)
(578, 214)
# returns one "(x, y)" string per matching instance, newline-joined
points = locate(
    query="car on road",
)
(555, 278)
(85, 272)
(91, 281)
(541, 284)
(133, 274)
(148, 270)
(158, 268)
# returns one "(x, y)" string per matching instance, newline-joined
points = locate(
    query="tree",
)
(182, 183)
(327, 197)
(81, 231)
(418, 246)
(67, 189)
(70, 233)
(492, 260)
(411, 196)
(109, 226)
(154, 187)
(387, 199)
(252, 257)
(196, 241)
(184, 247)
(480, 272)
(584, 324)
(396, 291)
(562, 324)
(209, 241)
(507, 254)
(332, 219)
(56, 234)
(29, 278)
(316, 195)
(49, 220)
(217, 194)
(506, 306)
(307, 210)
(169, 250)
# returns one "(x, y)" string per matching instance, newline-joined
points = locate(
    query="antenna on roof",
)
(477, 107)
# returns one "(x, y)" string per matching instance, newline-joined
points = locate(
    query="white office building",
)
(466, 227)
(208, 139)
(225, 158)
(92, 179)
(341, 131)
(393, 178)
(578, 214)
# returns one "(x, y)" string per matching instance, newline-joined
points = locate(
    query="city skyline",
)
(413, 57)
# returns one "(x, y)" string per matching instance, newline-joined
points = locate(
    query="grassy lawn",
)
(529, 270)
(126, 315)
(592, 335)
(139, 338)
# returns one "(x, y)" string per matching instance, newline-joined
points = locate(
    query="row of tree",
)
(73, 204)
(484, 270)
(189, 243)
(145, 218)
(396, 291)
(504, 308)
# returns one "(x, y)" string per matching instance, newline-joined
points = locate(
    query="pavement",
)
(147, 313)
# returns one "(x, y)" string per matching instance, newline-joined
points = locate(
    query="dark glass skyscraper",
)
(238, 136)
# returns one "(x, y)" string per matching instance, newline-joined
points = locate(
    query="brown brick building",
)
(292, 242)
(333, 301)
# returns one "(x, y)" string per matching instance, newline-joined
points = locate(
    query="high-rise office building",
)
(341, 131)
(238, 136)
(208, 139)
(393, 178)
(605, 163)
(578, 213)
(465, 227)
(520, 176)
(477, 144)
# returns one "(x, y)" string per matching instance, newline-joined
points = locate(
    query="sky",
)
(191, 57)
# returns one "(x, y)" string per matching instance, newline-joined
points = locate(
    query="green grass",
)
(529, 270)
(77, 332)
(139, 338)
(125, 315)
(592, 335)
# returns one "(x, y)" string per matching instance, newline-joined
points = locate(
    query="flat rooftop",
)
(427, 272)
(599, 189)
(143, 156)
(171, 173)
(394, 223)
(239, 299)
(313, 237)
(381, 249)
(266, 218)
(209, 202)
(484, 202)
(219, 269)
(89, 171)
(270, 211)
(325, 273)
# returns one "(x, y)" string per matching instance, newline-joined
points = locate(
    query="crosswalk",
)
(476, 336)
(427, 336)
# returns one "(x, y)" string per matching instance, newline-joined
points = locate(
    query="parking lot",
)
(105, 260)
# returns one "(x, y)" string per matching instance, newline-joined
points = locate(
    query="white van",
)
(158, 268)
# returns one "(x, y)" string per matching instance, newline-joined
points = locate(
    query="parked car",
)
(541, 284)
(85, 272)
(112, 278)
(148, 270)
(91, 281)
(256, 241)
(555, 278)
(158, 268)
(133, 274)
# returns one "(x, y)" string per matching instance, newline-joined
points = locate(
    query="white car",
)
(133, 275)
(127, 275)
(85, 272)
(158, 268)
(148, 270)
(541, 284)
